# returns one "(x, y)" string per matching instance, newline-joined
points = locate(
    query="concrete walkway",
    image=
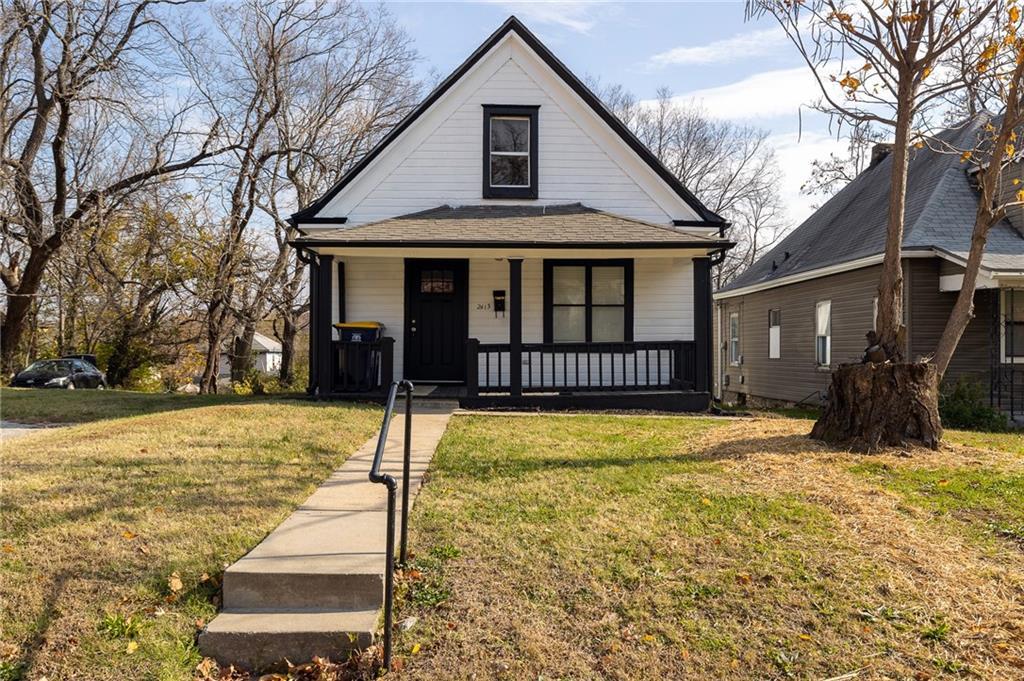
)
(315, 585)
(10, 430)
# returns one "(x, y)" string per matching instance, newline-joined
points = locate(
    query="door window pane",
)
(609, 324)
(437, 281)
(609, 285)
(569, 324)
(569, 285)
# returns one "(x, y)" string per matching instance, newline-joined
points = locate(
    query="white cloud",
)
(578, 16)
(768, 94)
(795, 153)
(741, 46)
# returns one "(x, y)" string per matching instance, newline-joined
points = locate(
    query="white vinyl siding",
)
(823, 333)
(444, 167)
(375, 291)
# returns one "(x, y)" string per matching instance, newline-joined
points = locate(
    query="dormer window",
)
(510, 152)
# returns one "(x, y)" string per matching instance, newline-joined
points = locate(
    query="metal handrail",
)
(392, 485)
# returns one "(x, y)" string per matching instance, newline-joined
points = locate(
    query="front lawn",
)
(626, 548)
(115, 532)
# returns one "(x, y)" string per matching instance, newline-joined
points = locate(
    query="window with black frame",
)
(588, 301)
(510, 152)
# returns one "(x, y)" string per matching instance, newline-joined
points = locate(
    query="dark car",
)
(68, 374)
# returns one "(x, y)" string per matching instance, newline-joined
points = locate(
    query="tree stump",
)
(882, 405)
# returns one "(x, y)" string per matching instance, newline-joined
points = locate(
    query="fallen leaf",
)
(408, 623)
(943, 483)
(414, 574)
(705, 501)
(129, 535)
(143, 549)
(131, 647)
(204, 577)
(743, 578)
(174, 582)
(8, 548)
(648, 638)
(806, 637)
(415, 648)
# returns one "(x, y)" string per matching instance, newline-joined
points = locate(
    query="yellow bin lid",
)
(359, 325)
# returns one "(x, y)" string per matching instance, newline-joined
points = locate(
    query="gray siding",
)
(794, 376)
(929, 311)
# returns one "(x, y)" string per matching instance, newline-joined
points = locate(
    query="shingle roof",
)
(562, 225)
(941, 206)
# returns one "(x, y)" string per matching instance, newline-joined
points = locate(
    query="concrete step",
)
(256, 640)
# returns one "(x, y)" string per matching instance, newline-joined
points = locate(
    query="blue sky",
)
(740, 70)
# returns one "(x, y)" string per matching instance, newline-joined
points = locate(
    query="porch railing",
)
(1007, 390)
(392, 485)
(579, 367)
(362, 367)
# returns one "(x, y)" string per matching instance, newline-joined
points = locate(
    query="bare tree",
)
(336, 105)
(880, 64)
(731, 168)
(833, 173)
(84, 124)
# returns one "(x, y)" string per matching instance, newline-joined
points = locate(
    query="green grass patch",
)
(1011, 442)
(606, 547)
(115, 533)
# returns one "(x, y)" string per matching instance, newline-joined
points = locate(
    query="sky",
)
(740, 70)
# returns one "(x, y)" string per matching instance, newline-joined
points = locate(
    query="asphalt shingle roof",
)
(513, 224)
(941, 206)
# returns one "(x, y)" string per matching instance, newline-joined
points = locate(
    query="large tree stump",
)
(882, 405)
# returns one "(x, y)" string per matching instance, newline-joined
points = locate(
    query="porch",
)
(525, 323)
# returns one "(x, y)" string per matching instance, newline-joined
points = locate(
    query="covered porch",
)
(556, 307)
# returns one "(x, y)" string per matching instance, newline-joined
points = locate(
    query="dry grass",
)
(97, 518)
(590, 547)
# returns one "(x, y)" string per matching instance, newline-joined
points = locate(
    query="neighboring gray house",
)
(804, 308)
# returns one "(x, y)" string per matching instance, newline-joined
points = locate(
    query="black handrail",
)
(392, 485)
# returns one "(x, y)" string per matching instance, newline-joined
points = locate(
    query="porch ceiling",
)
(512, 226)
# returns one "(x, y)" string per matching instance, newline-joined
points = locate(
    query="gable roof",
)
(940, 212)
(512, 24)
(524, 226)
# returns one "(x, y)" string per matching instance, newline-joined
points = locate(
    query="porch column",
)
(702, 331)
(314, 317)
(325, 356)
(515, 326)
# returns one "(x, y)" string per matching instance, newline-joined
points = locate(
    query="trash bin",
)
(358, 355)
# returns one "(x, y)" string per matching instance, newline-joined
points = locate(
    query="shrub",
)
(963, 404)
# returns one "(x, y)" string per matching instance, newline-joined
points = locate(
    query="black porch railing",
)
(581, 367)
(362, 367)
(1007, 390)
(392, 485)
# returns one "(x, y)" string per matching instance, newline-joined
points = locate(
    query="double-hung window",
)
(774, 334)
(1012, 313)
(823, 333)
(510, 152)
(734, 339)
(588, 301)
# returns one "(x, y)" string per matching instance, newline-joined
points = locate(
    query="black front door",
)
(436, 319)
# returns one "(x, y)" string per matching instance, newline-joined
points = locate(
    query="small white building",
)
(519, 244)
(266, 356)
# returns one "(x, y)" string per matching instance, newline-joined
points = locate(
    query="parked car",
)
(69, 374)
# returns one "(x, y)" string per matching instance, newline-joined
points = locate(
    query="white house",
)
(519, 244)
(266, 354)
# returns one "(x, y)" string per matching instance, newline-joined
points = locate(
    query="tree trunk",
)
(241, 349)
(19, 304)
(882, 405)
(288, 333)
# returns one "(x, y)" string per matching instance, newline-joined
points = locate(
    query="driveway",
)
(10, 430)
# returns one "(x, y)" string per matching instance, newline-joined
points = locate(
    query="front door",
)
(436, 319)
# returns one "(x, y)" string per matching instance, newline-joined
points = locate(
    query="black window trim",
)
(490, 192)
(589, 264)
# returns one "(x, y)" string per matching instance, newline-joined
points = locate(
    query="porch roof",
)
(494, 226)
